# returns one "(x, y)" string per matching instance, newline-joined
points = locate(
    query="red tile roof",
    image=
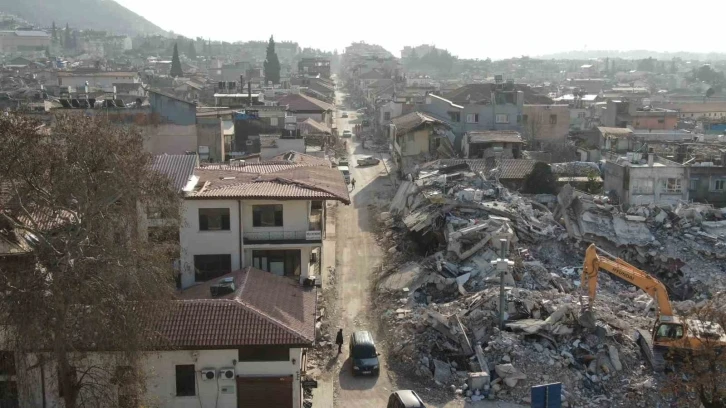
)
(516, 168)
(302, 159)
(286, 182)
(301, 102)
(264, 309)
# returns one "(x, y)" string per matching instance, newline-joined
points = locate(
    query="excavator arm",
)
(616, 266)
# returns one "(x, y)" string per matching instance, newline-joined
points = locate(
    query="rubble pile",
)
(681, 244)
(442, 304)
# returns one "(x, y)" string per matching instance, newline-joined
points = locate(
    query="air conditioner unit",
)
(209, 374)
(226, 373)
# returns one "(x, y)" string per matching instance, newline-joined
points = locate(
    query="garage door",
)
(264, 392)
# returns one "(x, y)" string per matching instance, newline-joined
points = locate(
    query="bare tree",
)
(73, 195)
(700, 375)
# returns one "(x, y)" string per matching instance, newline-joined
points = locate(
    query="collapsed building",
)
(440, 288)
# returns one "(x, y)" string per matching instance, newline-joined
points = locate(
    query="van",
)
(405, 399)
(346, 173)
(363, 354)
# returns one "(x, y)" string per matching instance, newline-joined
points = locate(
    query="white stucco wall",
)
(294, 215)
(97, 80)
(160, 371)
(196, 242)
(657, 175)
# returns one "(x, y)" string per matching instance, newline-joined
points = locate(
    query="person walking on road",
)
(352, 182)
(339, 340)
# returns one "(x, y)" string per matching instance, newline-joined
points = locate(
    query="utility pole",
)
(503, 265)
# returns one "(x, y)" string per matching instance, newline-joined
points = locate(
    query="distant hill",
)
(106, 15)
(633, 54)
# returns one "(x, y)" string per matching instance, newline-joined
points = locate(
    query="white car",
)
(368, 161)
(347, 134)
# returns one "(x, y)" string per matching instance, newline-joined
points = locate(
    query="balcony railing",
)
(310, 235)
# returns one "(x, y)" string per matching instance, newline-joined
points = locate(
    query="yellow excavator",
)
(669, 332)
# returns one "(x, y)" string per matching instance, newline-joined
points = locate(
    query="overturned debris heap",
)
(443, 305)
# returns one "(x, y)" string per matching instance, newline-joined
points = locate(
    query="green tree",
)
(540, 181)
(176, 69)
(272, 63)
(192, 52)
(67, 42)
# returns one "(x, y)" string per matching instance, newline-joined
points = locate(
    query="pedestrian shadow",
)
(349, 382)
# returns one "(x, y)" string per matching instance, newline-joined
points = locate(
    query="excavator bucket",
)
(587, 319)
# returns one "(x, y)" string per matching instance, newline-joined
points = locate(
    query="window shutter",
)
(203, 222)
(278, 216)
(225, 221)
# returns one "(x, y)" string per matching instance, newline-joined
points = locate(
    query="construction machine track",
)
(655, 357)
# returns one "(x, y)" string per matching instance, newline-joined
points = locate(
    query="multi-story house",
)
(267, 215)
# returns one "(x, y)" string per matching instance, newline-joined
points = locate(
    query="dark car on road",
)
(405, 399)
(363, 354)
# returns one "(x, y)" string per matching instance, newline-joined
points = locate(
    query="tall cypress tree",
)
(272, 64)
(54, 34)
(176, 69)
(67, 42)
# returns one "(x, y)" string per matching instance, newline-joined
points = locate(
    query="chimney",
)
(651, 157)
(249, 92)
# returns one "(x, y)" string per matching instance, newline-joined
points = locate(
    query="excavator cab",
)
(668, 332)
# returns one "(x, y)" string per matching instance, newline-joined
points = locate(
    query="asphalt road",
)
(357, 255)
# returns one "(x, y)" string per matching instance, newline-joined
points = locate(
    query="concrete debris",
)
(446, 223)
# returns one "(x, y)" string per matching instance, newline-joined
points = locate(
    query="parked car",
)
(344, 115)
(346, 173)
(368, 161)
(343, 161)
(405, 399)
(347, 134)
(363, 354)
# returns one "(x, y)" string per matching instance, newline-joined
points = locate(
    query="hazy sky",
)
(467, 28)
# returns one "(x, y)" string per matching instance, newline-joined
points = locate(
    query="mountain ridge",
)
(105, 15)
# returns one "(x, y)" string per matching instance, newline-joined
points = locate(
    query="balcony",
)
(287, 237)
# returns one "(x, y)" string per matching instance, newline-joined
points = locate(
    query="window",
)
(7, 363)
(693, 183)
(410, 137)
(669, 331)
(214, 219)
(525, 118)
(386, 115)
(208, 267)
(263, 353)
(273, 121)
(280, 262)
(186, 381)
(641, 186)
(719, 185)
(267, 215)
(672, 185)
(661, 120)
(455, 116)
(472, 118)
(502, 118)
(553, 119)
(581, 115)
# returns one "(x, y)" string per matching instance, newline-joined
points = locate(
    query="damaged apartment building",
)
(444, 229)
